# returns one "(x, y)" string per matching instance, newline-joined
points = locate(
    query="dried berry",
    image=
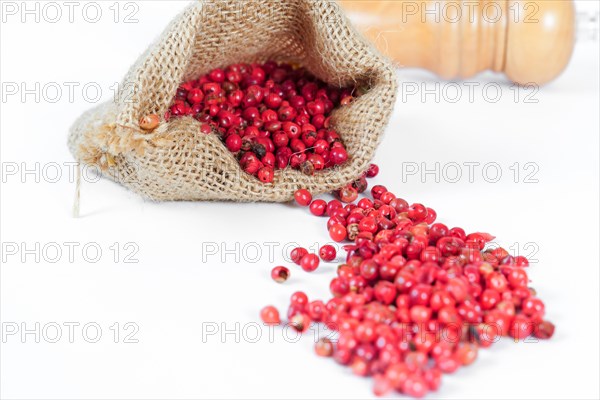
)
(280, 274)
(149, 122)
(303, 197)
(327, 253)
(270, 315)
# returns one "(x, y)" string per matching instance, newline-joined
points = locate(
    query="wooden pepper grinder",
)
(529, 41)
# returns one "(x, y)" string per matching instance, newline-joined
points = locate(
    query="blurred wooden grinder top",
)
(529, 41)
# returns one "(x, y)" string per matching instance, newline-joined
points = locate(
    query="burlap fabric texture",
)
(176, 161)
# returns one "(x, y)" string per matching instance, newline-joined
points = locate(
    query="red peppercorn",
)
(280, 139)
(303, 197)
(497, 281)
(377, 191)
(337, 232)
(421, 295)
(297, 254)
(347, 194)
(316, 310)
(339, 287)
(299, 299)
(431, 216)
(301, 322)
(297, 102)
(544, 330)
(500, 253)
(273, 100)
(268, 160)
(266, 174)
(420, 314)
(315, 107)
(387, 197)
(332, 206)
(489, 299)
(521, 261)
(340, 214)
(338, 155)
(293, 310)
(385, 292)
(517, 277)
(381, 385)
(372, 171)
(417, 212)
(324, 347)
(466, 353)
(217, 75)
(317, 161)
(309, 262)
(433, 377)
(270, 315)
(415, 386)
(233, 143)
(195, 96)
(521, 327)
(533, 307)
(318, 207)
(397, 375)
(368, 224)
(206, 129)
(280, 274)
(458, 233)
(327, 253)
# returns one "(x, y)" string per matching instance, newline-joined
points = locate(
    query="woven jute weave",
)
(176, 161)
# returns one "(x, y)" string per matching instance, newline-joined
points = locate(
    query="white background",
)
(171, 293)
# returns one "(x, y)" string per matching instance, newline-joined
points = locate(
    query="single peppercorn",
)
(270, 315)
(318, 207)
(327, 253)
(347, 194)
(309, 262)
(266, 174)
(324, 347)
(337, 232)
(280, 274)
(544, 330)
(233, 142)
(300, 322)
(302, 197)
(372, 171)
(299, 299)
(149, 122)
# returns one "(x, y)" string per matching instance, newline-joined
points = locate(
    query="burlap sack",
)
(176, 161)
